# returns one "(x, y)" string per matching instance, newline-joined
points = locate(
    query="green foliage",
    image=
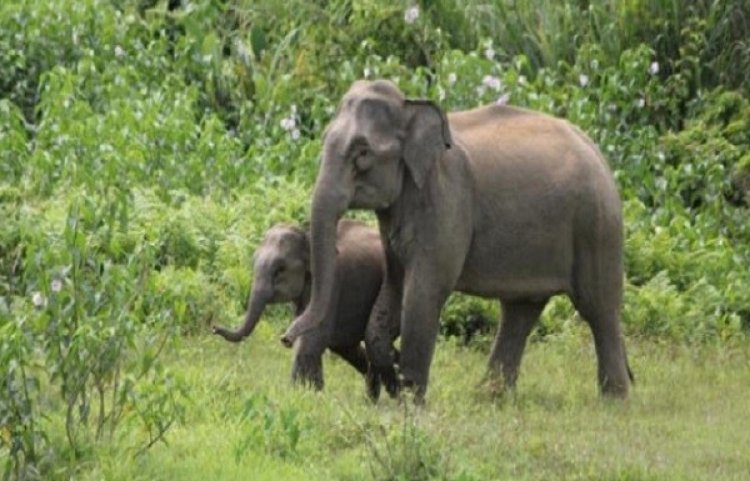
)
(145, 149)
(20, 432)
(469, 318)
(550, 33)
(72, 328)
(404, 450)
(277, 428)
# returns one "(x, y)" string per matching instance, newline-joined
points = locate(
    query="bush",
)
(73, 329)
(278, 429)
(186, 298)
(469, 318)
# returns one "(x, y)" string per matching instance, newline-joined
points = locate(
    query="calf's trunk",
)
(259, 298)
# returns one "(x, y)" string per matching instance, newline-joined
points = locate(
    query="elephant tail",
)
(627, 366)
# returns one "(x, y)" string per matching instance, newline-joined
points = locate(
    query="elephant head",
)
(377, 142)
(281, 274)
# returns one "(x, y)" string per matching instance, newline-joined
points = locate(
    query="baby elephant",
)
(282, 274)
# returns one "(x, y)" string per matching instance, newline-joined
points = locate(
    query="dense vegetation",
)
(145, 146)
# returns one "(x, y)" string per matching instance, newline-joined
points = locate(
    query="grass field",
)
(687, 419)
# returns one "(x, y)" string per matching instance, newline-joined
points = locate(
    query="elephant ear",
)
(304, 234)
(427, 137)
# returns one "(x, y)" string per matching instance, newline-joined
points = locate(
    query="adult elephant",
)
(498, 202)
(282, 275)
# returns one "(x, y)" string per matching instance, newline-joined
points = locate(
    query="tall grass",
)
(550, 32)
(685, 419)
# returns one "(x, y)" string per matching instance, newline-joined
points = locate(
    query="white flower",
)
(119, 52)
(489, 53)
(522, 79)
(288, 123)
(37, 299)
(653, 69)
(640, 103)
(583, 80)
(295, 134)
(411, 15)
(503, 99)
(242, 52)
(490, 81)
(56, 285)
(452, 78)
(367, 72)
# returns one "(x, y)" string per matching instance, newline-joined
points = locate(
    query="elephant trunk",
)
(330, 200)
(259, 298)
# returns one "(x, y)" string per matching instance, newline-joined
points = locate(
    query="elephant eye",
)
(279, 270)
(363, 160)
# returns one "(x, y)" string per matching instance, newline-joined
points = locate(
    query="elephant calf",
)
(282, 274)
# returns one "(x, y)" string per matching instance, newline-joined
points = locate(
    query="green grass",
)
(686, 418)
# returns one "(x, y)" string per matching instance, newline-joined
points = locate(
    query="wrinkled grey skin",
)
(498, 202)
(282, 274)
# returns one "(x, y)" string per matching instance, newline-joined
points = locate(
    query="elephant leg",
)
(357, 357)
(354, 355)
(379, 336)
(612, 369)
(517, 321)
(598, 298)
(420, 324)
(308, 361)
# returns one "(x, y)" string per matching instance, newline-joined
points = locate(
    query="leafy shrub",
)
(468, 318)
(659, 309)
(73, 329)
(277, 428)
(405, 450)
(186, 298)
(23, 440)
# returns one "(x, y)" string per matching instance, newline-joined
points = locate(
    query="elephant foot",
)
(308, 371)
(411, 392)
(386, 376)
(614, 390)
(372, 380)
(314, 381)
(495, 386)
(617, 384)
